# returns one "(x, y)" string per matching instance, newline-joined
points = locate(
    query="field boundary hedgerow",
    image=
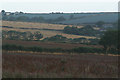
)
(8, 47)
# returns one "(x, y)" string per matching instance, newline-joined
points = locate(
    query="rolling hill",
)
(74, 18)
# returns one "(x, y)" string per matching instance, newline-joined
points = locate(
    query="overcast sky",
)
(66, 6)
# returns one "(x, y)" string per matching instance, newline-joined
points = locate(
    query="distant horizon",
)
(61, 12)
(65, 6)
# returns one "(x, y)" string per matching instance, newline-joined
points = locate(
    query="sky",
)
(66, 6)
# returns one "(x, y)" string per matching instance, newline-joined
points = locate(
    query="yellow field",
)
(46, 33)
(34, 25)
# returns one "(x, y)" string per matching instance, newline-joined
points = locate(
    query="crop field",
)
(34, 25)
(21, 65)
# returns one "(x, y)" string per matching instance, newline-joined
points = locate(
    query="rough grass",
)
(61, 66)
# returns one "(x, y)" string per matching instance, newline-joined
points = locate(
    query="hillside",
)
(106, 17)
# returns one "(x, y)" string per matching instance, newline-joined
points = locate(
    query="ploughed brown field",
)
(23, 65)
(47, 44)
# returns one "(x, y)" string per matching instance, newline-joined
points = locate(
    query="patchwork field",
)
(46, 33)
(28, 64)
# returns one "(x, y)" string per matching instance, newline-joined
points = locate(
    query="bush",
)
(12, 47)
(87, 50)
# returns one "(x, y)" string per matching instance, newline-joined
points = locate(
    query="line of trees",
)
(82, 40)
(36, 36)
(8, 47)
(16, 35)
(86, 31)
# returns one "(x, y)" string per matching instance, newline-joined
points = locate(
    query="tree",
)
(109, 40)
(38, 35)
(3, 12)
(21, 12)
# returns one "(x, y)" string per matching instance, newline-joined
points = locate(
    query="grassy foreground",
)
(21, 65)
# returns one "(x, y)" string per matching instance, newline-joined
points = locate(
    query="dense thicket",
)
(16, 35)
(86, 31)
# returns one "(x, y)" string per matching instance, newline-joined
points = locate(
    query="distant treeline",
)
(40, 49)
(33, 19)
